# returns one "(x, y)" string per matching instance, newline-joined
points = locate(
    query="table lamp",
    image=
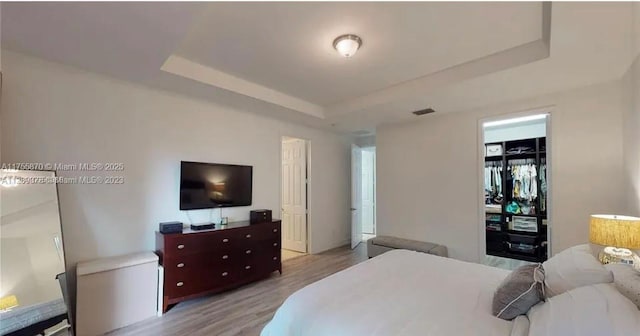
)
(620, 235)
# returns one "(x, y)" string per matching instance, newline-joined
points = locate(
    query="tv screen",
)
(213, 185)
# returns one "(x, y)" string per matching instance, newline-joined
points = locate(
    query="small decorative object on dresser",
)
(259, 216)
(202, 226)
(212, 261)
(170, 227)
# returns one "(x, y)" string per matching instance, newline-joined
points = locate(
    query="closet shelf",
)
(526, 233)
(522, 215)
(531, 155)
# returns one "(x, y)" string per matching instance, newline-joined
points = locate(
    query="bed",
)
(33, 319)
(398, 293)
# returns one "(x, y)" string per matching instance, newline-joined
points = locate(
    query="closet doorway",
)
(363, 194)
(368, 193)
(294, 193)
(515, 190)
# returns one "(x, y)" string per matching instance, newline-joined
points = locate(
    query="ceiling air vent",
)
(423, 112)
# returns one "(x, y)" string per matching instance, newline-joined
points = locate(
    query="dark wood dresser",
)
(198, 263)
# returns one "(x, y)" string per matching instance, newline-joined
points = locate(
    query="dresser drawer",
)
(191, 278)
(201, 261)
(263, 255)
(258, 232)
(183, 245)
(265, 264)
(271, 260)
(183, 283)
(187, 244)
(266, 231)
(258, 266)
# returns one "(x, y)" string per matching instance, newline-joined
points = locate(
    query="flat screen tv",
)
(214, 185)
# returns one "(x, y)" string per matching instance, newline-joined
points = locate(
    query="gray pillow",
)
(520, 291)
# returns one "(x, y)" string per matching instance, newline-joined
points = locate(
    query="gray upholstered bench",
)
(382, 244)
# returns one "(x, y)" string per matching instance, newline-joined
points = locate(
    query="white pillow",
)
(572, 268)
(520, 326)
(595, 310)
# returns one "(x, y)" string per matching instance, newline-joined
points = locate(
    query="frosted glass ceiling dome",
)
(347, 45)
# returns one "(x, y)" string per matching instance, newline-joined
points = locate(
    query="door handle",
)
(353, 209)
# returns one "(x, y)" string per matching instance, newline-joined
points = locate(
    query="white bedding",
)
(397, 293)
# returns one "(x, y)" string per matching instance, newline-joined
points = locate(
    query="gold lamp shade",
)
(617, 231)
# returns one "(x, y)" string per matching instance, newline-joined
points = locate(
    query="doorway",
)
(294, 193)
(368, 193)
(363, 194)
(516, 188)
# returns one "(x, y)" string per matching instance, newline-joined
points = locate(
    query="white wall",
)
(433, 193)
(631, 82)
(54, 113)
(632, 138)
(636, 29)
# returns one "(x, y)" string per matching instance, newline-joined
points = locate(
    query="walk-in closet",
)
(516, 186)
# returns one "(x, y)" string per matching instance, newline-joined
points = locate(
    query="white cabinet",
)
(115, 292)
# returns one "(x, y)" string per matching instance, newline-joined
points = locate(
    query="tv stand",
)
(198, 263)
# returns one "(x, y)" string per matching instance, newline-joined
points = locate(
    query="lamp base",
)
(616, 255)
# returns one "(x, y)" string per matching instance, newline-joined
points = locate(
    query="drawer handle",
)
(226, 240)
(180, 265)
(180, 284)
(225, 257)
(275, 258)
(247, 251)
(225, 273)
(180, 247)
(275, 244)
(275, 230)
(248, 236)
(247, 267)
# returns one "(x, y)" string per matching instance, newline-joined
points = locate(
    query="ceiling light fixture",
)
(347, 45)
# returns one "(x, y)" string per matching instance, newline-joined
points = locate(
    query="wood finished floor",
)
(245, 311)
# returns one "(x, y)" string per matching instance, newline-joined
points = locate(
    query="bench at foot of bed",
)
(382, 244)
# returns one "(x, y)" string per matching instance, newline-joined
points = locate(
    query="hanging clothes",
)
(493, 181)
(543, 186)
(525, 180)
(533, 189)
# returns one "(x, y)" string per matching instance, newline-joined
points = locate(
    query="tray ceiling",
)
(277, 58)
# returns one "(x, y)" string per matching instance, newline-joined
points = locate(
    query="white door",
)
(294, 195)
(356, 196)
(368, 193)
